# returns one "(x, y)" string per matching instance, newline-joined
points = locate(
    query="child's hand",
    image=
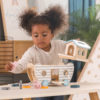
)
(9, 66)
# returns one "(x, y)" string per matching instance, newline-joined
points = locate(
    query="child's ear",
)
(52, 35)
(32, 36)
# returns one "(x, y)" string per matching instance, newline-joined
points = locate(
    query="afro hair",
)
(54, 17)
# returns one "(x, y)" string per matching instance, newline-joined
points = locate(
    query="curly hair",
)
(54, 17)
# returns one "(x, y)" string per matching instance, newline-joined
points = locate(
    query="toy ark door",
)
(71, 50)
(54, 74)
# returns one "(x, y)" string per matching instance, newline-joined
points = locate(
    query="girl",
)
(45, 51)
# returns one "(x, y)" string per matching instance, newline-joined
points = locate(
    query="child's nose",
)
(40, 37)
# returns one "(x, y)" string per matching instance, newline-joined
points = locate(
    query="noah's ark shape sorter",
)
(51, 74)
(59, 74)
(76, 50)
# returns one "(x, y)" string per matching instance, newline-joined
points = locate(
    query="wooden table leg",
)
(27, 99)
(94, 96)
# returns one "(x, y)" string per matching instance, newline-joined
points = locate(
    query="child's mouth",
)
(41, 43)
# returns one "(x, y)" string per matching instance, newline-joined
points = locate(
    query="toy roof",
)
(79, 43)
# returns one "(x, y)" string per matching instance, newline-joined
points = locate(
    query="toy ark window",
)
(83, 53)
(79, 52)
(65, 73)
(43, 73)
(54, 75)
(71, 50)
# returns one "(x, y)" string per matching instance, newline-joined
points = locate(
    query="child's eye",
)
(35, 35)
(44, 34)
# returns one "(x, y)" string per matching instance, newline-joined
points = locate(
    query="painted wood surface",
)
(58, 70)
(15, 93)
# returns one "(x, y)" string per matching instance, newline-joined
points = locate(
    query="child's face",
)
(41, 35)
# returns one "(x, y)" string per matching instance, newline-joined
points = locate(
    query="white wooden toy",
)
(76, 50)
(55, 74)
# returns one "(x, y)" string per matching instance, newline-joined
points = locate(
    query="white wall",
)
(97, 1)
(41, 5)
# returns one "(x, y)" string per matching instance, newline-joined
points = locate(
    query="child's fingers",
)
(9, 66)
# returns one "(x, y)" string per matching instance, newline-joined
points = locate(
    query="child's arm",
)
(9, 66)
(21, 65)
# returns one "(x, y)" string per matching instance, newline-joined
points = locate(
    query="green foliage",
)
(84, 27)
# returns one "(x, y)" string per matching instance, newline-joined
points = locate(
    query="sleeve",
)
(61, 46)
(21, 65)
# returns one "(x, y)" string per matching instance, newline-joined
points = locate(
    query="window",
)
(71, 50)
(81, 6)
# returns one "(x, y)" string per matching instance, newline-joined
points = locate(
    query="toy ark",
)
(51, 74)
(76, 50)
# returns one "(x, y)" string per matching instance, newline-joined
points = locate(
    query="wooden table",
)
(16, 93)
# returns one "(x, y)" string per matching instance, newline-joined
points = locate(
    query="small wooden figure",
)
(76, 50)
